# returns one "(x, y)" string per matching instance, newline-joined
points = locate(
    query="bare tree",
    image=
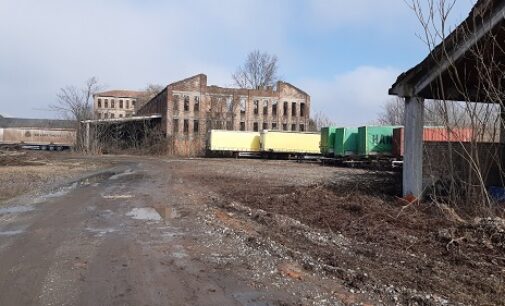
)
(319, 120)
(76, 103)
(147, 94)
(259, 70)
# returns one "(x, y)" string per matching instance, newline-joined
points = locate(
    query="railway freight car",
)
(375, 140)
(327, 146)
(346, 142)
(233, 142)
(432, 134)
(290, 143)
(44, 134)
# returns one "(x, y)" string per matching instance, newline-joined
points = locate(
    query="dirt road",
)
(135, 235)
(153, 231)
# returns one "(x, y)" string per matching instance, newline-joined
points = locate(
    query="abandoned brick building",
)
(189, 109)
(115, 103)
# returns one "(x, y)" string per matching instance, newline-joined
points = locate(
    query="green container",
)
(375, 140)
(346, 141)
(327, 140)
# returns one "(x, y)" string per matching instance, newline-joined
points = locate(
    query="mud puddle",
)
(144, 213)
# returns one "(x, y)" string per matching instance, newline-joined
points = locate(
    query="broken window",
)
(274, 125)
(265, 125)
(186, 103)
(243, 103)
(176, 126)
(256, 106)
(284, 127)
(99, 103)
(255, 126)
(274, 108)
(293, 109)
(176, 103)
(196, 106)
(111, 103)
(285, 109)
(196, 126)
(302, 109)
(302, 128)
(265, 107)
(229, 104)
(186, 126)
(242, 126)
(106, 103)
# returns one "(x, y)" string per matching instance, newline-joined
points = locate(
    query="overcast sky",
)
(345, 54)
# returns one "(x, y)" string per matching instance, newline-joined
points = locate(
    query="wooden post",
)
(413, 138)
(87, 136)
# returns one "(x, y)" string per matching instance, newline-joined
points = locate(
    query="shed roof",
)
(450, 71)
(36, 123)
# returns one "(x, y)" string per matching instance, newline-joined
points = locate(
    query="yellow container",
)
(234, 141)
(290, 142)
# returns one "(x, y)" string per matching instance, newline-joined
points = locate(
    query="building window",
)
(255, 126)
(186, 103)
(99, 103)
(120, 115)
(120, 103)
(293, 127)
(242, 126)
(112, 115)
(256, 106)
(176, 126)
(265, 125)
(111, 103)
(274, 126)
(186, 126)
(133, 103)
(265, 107)
(99, 115)
(176, 103)
(196, 126)
(106, 103)
(196, 107)
(302, 109)
(229, 125)
(293, 109)
(274, 108)
(284, 127)
(285, 109)
(229, 104)
(127, 104)
(302, 128)
(106, 115)
(243, 103)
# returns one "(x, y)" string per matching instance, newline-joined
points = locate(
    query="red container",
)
(432, 135)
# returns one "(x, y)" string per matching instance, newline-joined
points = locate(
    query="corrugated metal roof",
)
(36, 123)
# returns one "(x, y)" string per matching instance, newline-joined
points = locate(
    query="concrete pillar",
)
(413, 155)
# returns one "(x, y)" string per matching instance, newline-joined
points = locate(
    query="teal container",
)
(375, 140)
(327, 141)
(346, 141)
